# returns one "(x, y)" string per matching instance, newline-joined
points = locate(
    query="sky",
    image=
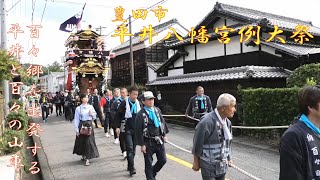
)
(101, 13)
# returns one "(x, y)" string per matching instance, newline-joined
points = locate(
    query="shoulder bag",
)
(85, 130)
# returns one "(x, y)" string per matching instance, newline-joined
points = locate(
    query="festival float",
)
(87, 61)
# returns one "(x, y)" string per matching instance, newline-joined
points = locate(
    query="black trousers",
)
(122, 139)
(58, 109)
(98, 111)
(45, 112)
(158, 149)
(131, 148)
(63, 107)
(107, 122)
(213, 178)
(51, 109)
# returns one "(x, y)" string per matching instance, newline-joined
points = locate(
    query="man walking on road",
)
(119, 136)
(199, 105)
(150, 132)
(105, 104)
(94, 100)
(126, 114)
(212, 140)
(299, 145)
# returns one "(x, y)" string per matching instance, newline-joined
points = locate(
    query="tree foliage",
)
(307, 74)
(55, 67)
(5, 65)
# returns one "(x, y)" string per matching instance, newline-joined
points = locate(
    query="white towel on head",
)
(226, 131)
(128, 113)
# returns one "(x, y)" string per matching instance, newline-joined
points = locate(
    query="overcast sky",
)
(101, 13)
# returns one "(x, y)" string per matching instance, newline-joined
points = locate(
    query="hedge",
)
(9, 133)
(8, 136)
(268, 107)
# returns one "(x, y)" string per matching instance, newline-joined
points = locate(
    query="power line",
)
(13, 6)
(44, 9)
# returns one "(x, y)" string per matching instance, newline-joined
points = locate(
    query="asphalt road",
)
(58, 139)
(259, 160)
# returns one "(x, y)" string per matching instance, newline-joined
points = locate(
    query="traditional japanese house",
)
(222, 67)
(87, 61)
(147, 56)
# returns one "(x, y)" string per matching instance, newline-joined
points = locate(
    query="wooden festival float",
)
(87, 61)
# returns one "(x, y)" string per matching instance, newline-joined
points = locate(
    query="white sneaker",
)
(116, 141)
(107, 135)
(111, 132)
(124, 154)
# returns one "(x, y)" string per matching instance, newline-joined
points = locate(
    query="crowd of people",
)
(131, 121)
(134, 120)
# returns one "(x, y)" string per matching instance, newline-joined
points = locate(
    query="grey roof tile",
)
(251, 16)
(295, 49)
(243, 72)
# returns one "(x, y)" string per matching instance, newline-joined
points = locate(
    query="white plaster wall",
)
(190, 49)
(170, 53)
(211, 49)
(219, 23)
(151, 74)
(234, 46)
(175, 72)
(179, 62)
(231, 22)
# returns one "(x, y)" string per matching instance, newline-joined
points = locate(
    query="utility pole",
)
(100, 29)
(3, 36)
(63, 61)
(131, 54)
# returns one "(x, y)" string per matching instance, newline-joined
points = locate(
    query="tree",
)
(55, 67)
(6, 63)
(307, 74)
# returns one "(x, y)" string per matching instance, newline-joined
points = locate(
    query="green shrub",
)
(8, 136)
(21, 116)
(304, 74)
(11, 102)
(268, 107)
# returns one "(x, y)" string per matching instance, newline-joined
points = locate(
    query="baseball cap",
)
(148, 95)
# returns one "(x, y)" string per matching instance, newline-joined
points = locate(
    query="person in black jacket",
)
(94, 100)
(57, 100)
(126, 115)
(119, 136)
(199, 105)
(44, 103)
(299, 145)
(105, 104)
(150, 133)
(71, 105)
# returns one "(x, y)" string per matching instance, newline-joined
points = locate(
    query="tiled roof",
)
(294, 49)
(254, 16)
(154, 65)
(136, 38)
(243, 72)
(249, 17)
(187, 40)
